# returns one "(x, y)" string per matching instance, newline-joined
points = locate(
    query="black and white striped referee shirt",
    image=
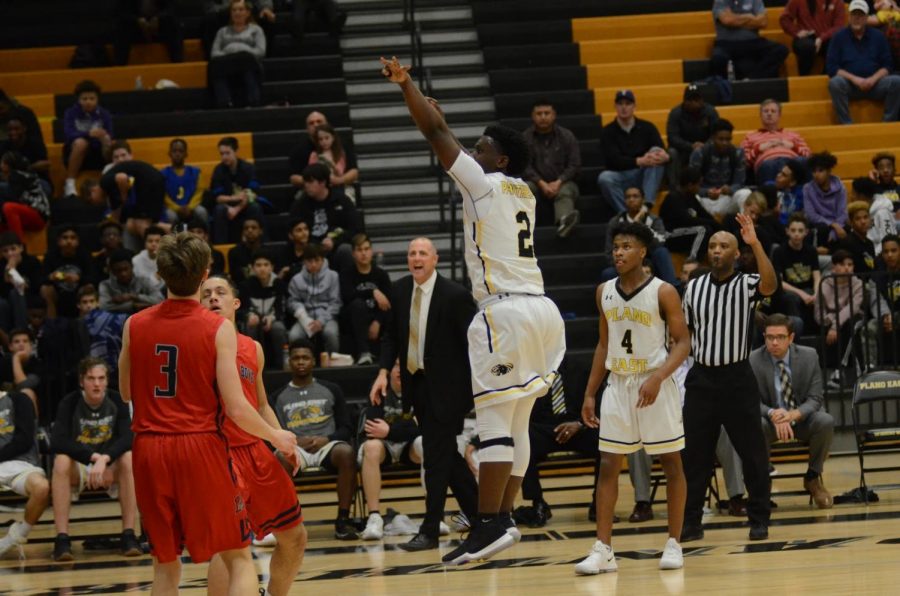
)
(720, 315)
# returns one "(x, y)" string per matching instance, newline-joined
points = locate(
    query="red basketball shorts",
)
(268, 491)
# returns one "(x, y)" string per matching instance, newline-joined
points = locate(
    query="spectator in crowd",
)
(738, 23)
(110, 241)
(87, 131)
(135, 191)
(365, 288)
(797, 265)
(9, 108)
(825, 200)
(331, 217)
(390, 433)
(183, 192)
(762, 211)
(328, 12)
(792, 406)
(688, 127)
(199, 228)
(688, 266)
(634, 155)
(31, 147)
(306, 146)
(27, 207)
(21, 278)
(67, 267)
(881, 338)
(857, 241)
(101, 330)
(840, 305)
(144, 262)
(20, 368)
(262, 301)
(91, 440)
(290, 261)
(555, 425)
(723, 171)
(314, 301)
(234, 188)
(236, 57)
(769, 148)
(147, 21)
(20, 469)
(789, 183)
(241, 255)
(341, 161)
(881, 210)
(124, 291)
(812, 24)
(883, 172)
(554, 162)
(638, 211)
(316, 412)
(860, 65)
(689, 223)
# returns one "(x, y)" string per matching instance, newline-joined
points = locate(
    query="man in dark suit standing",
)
(427, 331)
(790, 383)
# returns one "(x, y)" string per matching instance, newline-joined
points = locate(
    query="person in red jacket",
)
(812, 23)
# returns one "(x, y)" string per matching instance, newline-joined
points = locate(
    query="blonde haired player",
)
(517, 339)
(641, 405)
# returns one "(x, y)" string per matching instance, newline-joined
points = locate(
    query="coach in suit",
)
(430, 317)
(790, 384)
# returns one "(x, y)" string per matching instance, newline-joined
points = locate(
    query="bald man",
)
(721, 389)
(299, 157)
(428, 329)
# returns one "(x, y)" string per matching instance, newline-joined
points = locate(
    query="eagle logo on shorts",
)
(502, 369)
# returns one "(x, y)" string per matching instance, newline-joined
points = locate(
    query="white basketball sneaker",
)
(671, 557)
(374, 528)
(15, 538)
(600, 560)
(267, 540)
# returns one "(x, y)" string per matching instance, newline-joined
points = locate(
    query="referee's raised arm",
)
(768, 283)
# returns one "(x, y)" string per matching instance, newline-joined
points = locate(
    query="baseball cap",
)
(624, 95)
(692, 92)
(859, 5)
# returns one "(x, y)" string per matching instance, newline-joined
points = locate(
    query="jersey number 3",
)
(169, 368)
(526, 248)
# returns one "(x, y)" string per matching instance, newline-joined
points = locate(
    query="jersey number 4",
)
(526, 248)
(169, 368)
(626, 342)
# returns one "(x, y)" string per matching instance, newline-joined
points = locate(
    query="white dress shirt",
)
(427, 292)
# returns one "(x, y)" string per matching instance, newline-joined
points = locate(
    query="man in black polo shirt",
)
(92, 442)
(633, 153)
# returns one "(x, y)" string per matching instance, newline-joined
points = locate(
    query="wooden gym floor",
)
(850, 549)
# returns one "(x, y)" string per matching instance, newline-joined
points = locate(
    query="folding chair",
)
(870, 388)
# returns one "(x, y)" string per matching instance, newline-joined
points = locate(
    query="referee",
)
(720, 389)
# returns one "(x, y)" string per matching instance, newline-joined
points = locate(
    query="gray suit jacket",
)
(806, 379)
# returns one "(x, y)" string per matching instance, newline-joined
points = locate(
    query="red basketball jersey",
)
(248, 368)
(173, 368)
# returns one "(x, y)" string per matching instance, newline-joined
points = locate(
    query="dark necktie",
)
(787, 391)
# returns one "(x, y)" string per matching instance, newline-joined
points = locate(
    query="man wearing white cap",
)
(859, 64)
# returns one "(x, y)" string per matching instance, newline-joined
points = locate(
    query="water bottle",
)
(730, 71)
(138, 83)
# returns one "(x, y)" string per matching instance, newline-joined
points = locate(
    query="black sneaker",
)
(130, 545)
(758, 532)
(485, 540)
(345, 530)
(691, 533)
(509, 524)
(62, 548)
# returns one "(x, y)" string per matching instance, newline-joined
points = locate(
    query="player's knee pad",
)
(497, 449)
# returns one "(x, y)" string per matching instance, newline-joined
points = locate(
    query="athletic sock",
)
(811, 475)
(487, 518)
(374, 512)
(343, 514)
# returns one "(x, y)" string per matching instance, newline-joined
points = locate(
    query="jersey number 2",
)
(526, 248)
(169, 368)
(626, 341)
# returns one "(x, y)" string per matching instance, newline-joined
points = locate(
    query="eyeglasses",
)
(776, 337)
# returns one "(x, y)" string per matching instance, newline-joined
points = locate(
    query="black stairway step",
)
(547, 79)
(577, 299)
(529, 56)
(585, 126)
(515, 105)
(575, 268)
(280, 143)
(537, 32)
(581, 333)
(512, 12)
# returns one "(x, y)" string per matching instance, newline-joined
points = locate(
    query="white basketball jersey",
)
(637, 332)
(498, 225)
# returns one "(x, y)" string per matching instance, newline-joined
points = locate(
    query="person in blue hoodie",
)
(825, 200)
(88, 132)
(314, 300)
